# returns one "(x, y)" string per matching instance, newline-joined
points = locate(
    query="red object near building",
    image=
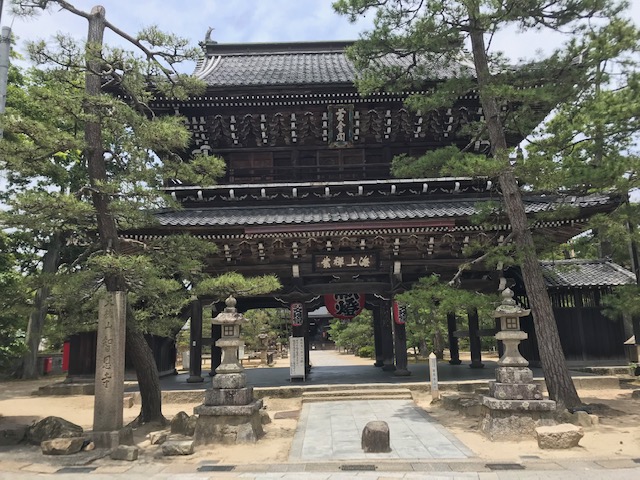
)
(47, 365)
(66, 351)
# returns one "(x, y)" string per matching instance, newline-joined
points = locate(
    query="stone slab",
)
(513, 424)
(565, 435)
(62, 446)
(519, 405)
(228, 410)
(125, 452)
(515, 391)
(228, 429)
(176, 448)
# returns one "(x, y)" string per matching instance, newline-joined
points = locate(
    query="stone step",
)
(337, 395)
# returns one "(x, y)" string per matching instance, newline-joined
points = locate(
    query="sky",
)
(240, 21)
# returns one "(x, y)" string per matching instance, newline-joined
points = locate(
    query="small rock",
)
(375, 437)
(52, 427)
(12, 434)
(89, 446)
(127, 402)
(560, 436)
(595, 420)
(124, 452)
(173, 448)
(246, 434)
(635, 395)
(125, 436)
(157, 438)
(581, 419)
(264, 417)
(62, 446)
(183, 424)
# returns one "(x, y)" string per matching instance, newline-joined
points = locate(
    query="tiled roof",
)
(280, 64)
(585, 273)
(318, 214)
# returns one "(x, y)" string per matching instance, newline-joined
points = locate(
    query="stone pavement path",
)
(332, 431)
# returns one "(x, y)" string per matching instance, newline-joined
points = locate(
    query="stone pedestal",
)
(514, 407)
(229, 413)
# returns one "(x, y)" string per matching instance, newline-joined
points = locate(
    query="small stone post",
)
(109, 378)
(433, 373)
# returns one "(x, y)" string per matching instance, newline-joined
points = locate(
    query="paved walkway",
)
(332, 431)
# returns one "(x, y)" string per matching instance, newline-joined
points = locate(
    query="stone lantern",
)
(229, 414)
(230, 321)
(514, 406)
(509, 313)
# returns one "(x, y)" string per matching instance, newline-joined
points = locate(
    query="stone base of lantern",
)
(228, 424)
(515, 419)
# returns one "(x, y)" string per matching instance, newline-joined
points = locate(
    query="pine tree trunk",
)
(136, 345)
(50, 264)
(557, 377)
(140, 354)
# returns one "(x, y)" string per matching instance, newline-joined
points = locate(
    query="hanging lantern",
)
(344, 305)
(399, 313)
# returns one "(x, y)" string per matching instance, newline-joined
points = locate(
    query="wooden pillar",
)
(474, 339)
(216, 352)
(195, 345)
(400, 339)
(377, 337)
(454, 351)
(387, 336)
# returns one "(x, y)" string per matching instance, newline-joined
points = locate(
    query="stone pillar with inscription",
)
(300, 329)
(109, 379)
(514, 406)
(229, 413)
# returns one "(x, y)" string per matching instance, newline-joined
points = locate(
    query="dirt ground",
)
(618, 434)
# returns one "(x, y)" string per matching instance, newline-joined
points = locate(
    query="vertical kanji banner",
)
(297, 314)
(344, 305)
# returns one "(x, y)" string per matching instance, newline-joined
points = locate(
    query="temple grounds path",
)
(616, 440)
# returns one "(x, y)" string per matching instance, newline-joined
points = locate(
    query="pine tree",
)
(439, 32)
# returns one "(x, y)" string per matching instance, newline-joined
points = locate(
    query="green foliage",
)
(270, 322)
(624, 300)
(429, 302)
(353, 334)
(13, 301)
(233, 283)
(366, 352)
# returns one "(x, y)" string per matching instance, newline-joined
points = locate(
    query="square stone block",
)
(514, 375)
(229, 380)
(229, 396)
(228, 410)
(515, 391)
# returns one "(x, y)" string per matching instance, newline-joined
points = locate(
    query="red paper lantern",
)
(399, 313)
(344, 305)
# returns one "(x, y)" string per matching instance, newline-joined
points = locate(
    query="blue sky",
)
(241, 21)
